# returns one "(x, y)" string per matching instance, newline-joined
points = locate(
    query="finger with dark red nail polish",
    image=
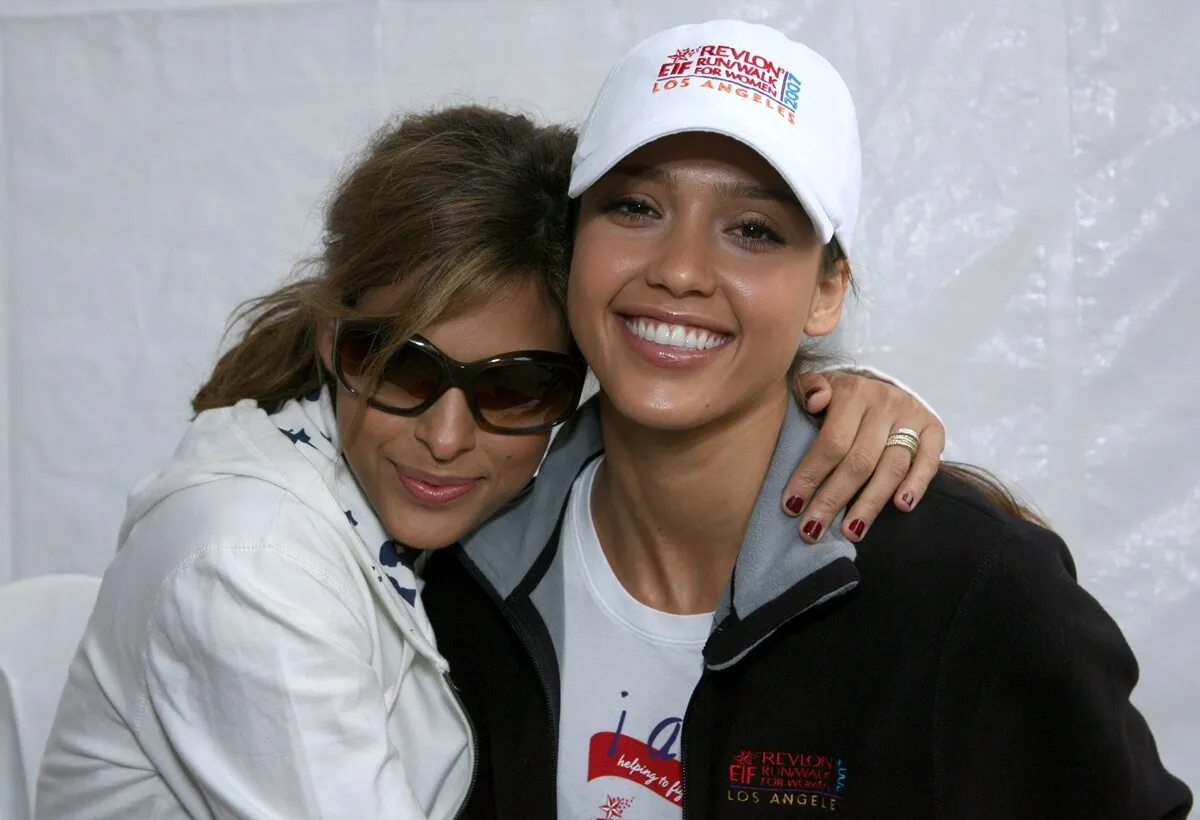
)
(795, 504)
(907, 500)
(858, 526)
(813, 529)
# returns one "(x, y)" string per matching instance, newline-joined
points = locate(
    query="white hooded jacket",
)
(252, 653)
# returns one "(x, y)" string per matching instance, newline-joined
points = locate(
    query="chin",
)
(437, 536)
(667, 410)
(427, 545)
(425, 530)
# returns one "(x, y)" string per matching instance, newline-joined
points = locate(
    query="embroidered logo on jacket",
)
(780, 778)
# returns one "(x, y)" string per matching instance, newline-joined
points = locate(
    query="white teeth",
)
(690, 338)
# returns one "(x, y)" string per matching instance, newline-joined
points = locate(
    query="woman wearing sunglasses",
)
(639, 637)
(260, 648)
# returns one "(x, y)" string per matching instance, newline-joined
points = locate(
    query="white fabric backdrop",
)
(1026, 247)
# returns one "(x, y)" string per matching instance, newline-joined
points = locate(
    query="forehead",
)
(519, 318)
(667, 158)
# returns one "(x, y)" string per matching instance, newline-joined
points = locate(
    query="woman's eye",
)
(758, 233)
(629, 207)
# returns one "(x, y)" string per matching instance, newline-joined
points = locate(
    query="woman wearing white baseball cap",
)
(663, 647)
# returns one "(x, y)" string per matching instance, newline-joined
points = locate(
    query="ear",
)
(325, 329)
(826, 309)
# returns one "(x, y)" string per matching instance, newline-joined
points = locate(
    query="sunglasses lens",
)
(410, 379)
(526, 395)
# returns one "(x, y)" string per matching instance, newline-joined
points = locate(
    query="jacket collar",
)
(776, 577)
(507, 547)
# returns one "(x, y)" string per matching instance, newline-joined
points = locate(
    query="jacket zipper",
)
(474, 746)
(683, 746)
(547, 697)
(531, 650)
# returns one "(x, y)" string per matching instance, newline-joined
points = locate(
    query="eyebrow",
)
(724, 190)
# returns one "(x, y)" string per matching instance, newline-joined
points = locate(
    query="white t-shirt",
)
(628, 672)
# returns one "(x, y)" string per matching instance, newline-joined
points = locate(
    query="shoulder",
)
(1002, 593)
(956, 531)
(1028, 649)
(236, 507)
(1009, 585)
(1024, 599)
(237, 534)
(232, 522)
(247, 582)
(234, 479)
(961, 566)
(227, 509)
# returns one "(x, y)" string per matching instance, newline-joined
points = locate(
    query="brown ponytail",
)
(275, 358)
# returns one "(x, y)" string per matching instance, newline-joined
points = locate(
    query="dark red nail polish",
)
(813, 529)
(907, 498)
(795, 504)
(857, 526)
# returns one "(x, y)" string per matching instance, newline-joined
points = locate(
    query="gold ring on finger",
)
(905, 438)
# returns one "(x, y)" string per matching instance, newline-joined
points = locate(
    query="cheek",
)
(515, 457)
(771, 309)
(601, 264)
(363, 433)
(580, 301)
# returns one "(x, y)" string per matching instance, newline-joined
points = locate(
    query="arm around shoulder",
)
(1033, 717)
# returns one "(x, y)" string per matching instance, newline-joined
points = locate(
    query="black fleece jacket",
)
(953, 668)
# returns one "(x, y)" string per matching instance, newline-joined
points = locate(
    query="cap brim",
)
(591, 168)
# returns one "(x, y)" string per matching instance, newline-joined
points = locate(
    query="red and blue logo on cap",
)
(730, 70)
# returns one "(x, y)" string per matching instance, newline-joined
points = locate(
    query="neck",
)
(671, 507)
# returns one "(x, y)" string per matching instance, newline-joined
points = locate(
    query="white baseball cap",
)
(744, 81)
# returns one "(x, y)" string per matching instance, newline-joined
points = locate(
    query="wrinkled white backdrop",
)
(1027, 244)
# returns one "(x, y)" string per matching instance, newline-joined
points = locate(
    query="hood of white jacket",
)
(244, 441)
(231, 441)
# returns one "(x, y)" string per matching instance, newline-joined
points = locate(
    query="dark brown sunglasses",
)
(527, 391)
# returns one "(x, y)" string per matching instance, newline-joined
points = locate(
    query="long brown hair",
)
(994, 491)
(460, 204)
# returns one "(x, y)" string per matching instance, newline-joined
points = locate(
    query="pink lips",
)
(434, 491)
